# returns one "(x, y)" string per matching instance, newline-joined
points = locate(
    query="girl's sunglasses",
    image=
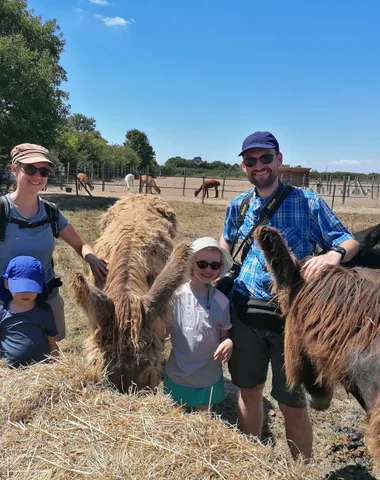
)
(31, 170)
(202, 264)
(264, 159)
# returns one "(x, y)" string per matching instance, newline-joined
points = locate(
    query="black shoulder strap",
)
(244, 207)
(52, 213)
(265, 215)
(4, 215)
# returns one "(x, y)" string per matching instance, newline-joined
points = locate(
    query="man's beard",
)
(264, 181)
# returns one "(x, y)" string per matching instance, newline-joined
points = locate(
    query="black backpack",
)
(52, 218)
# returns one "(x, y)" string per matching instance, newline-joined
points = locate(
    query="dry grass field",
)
(62, 421)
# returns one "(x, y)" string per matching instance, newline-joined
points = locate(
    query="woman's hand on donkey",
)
(99, 266)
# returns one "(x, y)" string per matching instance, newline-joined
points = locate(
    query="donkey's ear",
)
(98, 307)
(175, 273)
(281, 263)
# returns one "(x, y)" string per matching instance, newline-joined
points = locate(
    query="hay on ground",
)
(62, 421)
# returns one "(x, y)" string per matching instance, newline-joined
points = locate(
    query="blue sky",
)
(198, 76)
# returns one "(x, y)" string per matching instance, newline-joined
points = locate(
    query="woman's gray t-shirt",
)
(195, 336)
(36, 242)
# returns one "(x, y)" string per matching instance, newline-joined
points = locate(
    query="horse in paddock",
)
(332, 327)
(83, 179)
(208, 183)
(149, 183)
(129, 182)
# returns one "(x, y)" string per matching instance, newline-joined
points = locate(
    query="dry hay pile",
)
(60, 421)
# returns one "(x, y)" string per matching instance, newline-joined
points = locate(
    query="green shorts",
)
(195, 396)
(252, 352)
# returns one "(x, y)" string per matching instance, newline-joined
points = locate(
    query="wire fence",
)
(217, 185)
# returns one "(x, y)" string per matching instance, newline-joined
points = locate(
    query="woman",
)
(29, 232)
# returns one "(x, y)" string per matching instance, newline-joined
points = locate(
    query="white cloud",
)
(133, 20)
(113, 21)
(350, 162)
(79, 10)
(104, 3)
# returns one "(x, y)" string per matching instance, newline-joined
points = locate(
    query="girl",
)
(199, 334)
(28, 231)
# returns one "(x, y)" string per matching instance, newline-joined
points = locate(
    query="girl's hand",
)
(224, 351)
(99, 266)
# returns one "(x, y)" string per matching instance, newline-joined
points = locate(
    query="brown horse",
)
(208, 183)
(84, 180)
(332, 328)
(149, 183)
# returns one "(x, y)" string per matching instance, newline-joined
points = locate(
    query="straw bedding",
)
(62, 421)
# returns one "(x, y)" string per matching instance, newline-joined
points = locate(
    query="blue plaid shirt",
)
(304, 220)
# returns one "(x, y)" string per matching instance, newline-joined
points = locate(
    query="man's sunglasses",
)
(202, 264)
(31, 170)
(264, 159)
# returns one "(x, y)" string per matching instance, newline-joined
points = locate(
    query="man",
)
(305, 221)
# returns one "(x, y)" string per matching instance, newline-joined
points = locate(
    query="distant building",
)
(296, 176)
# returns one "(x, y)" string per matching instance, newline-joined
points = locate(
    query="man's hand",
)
(315, 264)
(224, 351)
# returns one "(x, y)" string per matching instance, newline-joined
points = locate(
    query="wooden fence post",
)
(372, 187)
(344, 190)
(76, 186)
(147, 175)
(103, 180)
(68, 172)
(333, 198)
(224, 183)
(184, 182)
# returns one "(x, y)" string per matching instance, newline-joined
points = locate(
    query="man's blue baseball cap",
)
(260, 140)
(25, 274)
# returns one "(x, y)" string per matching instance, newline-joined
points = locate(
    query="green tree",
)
(139, 142)
(80, 123)
(119, 155)
(32, 104)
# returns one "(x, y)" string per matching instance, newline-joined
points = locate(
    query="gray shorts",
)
(57, 305)
(252, 352)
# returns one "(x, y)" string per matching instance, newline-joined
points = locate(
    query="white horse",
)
(129, 181)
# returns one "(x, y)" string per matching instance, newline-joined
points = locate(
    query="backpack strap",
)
(52, 213)
(4, 216)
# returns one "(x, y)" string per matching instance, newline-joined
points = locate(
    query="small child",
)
(200, 331)
(27, 326)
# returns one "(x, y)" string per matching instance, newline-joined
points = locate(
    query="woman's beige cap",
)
(30, 153)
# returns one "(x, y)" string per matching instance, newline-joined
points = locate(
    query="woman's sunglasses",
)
(31, 170)
(264, 159)
(202, 264)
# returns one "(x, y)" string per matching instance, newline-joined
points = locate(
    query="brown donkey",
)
(144, 271)
(332, 329)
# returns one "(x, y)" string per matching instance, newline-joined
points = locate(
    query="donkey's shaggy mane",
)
(337, 311)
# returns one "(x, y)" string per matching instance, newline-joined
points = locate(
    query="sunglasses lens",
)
(202, 264)
(45, 172)
(267, 158)
(215, 265)
(30, 169)
(250, 161)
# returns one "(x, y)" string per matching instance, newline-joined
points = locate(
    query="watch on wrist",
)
(339, 249)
